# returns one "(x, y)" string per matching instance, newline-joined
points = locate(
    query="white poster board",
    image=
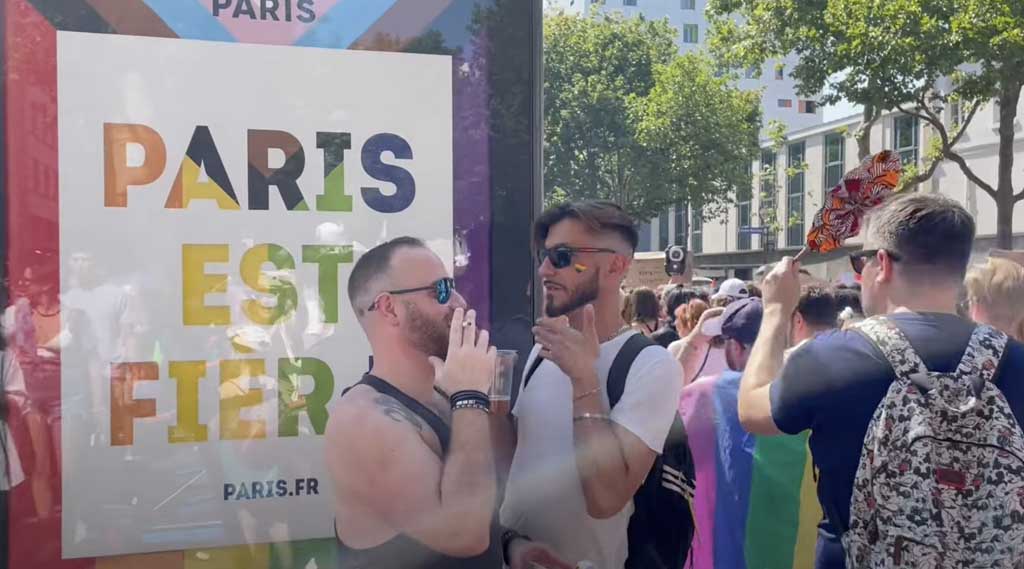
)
(193, 175)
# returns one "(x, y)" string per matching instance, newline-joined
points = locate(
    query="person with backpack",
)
(599, 468)
(914, 414)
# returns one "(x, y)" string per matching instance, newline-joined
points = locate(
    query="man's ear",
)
(619, 267)
(388, 309)
(798, 321)
(885, 267)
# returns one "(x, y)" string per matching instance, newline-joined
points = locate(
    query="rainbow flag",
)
(755, 506)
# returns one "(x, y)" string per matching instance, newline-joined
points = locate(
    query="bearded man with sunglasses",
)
(408, 448)
(578, 461)
(915, 255)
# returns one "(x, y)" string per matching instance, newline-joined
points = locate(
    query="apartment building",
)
(734, 246)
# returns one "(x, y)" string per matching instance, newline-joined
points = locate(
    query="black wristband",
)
(471, 404)
(507, 537)
(469, 395)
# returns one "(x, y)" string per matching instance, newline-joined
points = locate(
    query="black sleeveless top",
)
(402, 551)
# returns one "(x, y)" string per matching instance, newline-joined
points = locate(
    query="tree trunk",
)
(1009, 96)
(871, 115)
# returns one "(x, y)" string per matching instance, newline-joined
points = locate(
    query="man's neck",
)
(408, 370)
(607, 317)
(924, 300)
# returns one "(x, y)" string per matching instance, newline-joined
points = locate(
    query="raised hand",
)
(781, 287)
(575, 352)
(471, 358)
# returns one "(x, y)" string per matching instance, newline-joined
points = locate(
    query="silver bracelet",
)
(586, 416)
(593, 391)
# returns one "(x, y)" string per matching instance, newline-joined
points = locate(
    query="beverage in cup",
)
(501, 387)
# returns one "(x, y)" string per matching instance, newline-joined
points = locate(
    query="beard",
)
(584, 294)
(429, 335)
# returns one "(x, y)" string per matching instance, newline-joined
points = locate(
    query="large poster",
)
(245, 184)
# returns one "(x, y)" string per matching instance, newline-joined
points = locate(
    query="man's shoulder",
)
(1011, 368)
(658, 360)
(829, 343)
(363, 409)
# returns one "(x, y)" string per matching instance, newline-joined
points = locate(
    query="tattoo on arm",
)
(397, 412)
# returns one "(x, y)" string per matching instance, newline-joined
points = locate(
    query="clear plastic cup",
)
(504, 376)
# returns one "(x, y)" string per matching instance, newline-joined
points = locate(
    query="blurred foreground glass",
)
(504, 374)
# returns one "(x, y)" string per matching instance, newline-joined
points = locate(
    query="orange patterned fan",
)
(861, 189)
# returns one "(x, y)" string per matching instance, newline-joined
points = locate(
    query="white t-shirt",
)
(14, 384)
(544, 498)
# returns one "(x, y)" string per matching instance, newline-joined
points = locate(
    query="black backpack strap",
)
(616, 385)
(440, 428)
(520, 384)
(533, 369)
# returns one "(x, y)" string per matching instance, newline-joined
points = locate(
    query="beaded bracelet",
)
(469, 395)
(471, 404)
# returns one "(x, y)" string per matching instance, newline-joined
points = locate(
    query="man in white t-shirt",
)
(578, 463)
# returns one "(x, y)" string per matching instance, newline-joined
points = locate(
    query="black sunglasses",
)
(443, 289)
(860, 259)
(561, 256)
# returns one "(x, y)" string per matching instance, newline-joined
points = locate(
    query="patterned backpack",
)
(941, 476)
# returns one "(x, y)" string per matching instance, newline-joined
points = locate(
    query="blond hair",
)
(997, 287)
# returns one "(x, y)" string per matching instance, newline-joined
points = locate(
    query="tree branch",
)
(947, 145)
(959, 160)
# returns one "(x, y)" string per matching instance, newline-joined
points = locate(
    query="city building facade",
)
(791, 181)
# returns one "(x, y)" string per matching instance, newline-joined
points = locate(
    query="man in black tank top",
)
(408, 447)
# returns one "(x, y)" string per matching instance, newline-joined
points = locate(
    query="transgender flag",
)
(755, 506)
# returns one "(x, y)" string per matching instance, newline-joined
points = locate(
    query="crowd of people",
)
(780, 422)
(826, 426)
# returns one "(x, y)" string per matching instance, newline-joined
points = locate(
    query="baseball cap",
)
(741, 321)
(732, 288)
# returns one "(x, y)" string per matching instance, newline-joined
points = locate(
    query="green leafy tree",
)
(918, 56)
(702, 131)
(629, 120)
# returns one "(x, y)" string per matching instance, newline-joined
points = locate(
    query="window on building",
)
(769, 191)
(780, 72)
(808, 107)
(629, 2)
(682, 224)
(691, 33)
(663, 231)
(955, 114)
(785, 103)
(688, 4)
(697, 231)
(753, 73)
(646, 231)
(794, 221)
(835, 150)
(743, 218)
(905, 138)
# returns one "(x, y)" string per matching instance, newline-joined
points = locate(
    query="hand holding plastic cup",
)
(501, 387)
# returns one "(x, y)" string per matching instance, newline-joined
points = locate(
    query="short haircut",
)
(645, 305)
(372, 265)
(598, 216)
(932, 234)
(818, 307)
(997, 286)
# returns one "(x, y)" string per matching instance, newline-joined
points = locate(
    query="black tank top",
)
(402, 551)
